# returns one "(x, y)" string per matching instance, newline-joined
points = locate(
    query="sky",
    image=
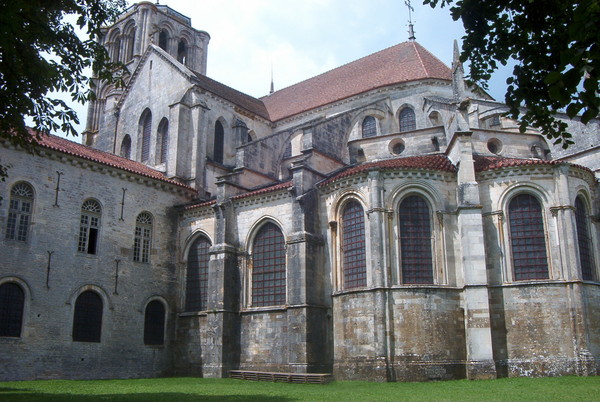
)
(299, 39)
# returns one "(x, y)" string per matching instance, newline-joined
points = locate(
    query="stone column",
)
(309, 350)
(478, 333)
(222, 350)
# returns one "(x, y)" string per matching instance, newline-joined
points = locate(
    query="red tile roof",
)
(436, 162)
(82, 151)
(405, 62)
(265, 190)
(484, 163)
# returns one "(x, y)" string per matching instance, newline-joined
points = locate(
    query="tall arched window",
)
(117, 50)
(415, 241)
(268, 267)
(196, 288)
(584, 239)
(162, 141)
(19, 211)
(146, 131)
(126, 147)
(89, 227)
(163, 38)
(369, 127)
(130, 44)
(354, 263)
(219, 142)
(142, 237)
(182, 52)
(154, 323)
(407, 120)
(528, 242)
(87, 320)
(12, 301)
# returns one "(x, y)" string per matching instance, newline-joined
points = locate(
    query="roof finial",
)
(411, 30)
(272, 84)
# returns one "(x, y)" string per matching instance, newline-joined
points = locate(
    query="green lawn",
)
(226, 390)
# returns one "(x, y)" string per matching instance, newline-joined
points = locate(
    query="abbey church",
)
(381, 221)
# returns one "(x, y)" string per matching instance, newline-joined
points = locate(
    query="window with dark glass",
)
(196, 291)
(163, 38)
(19, 212)
(89, 227)
(415, 241)
(154, 324)
(87, 320)
(354, 264)
(162, 141)
(142, 237)
(126, 147)
(268, 267)
(527, 238)
(584, 240)
(219, 142)
(146, 129)
(407, 120)
(182, 52)
(369, 127)
(130, 44)
(12, 301)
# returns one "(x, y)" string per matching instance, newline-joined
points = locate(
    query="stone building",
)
(380, 221)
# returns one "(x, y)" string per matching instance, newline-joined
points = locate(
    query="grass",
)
(226, 390)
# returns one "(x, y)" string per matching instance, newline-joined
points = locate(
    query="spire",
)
(411, 28)
(272, 83)
(458, 75)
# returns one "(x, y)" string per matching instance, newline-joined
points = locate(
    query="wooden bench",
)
(304, 378)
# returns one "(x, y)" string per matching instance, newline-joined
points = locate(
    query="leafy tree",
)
(40, 52)
(556, 44)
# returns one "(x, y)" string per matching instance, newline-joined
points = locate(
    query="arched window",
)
(146, 130)
(369, 127)
(163, 38)
(142, 238)
(126, 147)
(117, 50)
(268, 267)
(154, 323)
(87, 320)
(527, 238)
(89, 227)
(584, 239)
(12, 301)
(196, 288)
(19, 212)
(130, 44)
(162, 141)
(219, 142)
(407, 120)
(182, 52)
(354, 263)
(415, 241)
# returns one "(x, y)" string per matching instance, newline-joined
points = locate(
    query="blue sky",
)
(303, 38)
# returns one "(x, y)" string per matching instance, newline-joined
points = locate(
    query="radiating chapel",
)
(381, 221)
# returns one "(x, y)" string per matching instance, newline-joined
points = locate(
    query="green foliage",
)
(226, 390)
(40, 52)
(557, 46)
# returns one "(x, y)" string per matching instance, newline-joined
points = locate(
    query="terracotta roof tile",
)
(82, 151)
(484, 163)
(265, 190)
(199, 205)
(436, 162)
(405, 62)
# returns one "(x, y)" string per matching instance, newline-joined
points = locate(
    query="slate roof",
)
(405, 62)
(484, 163)
(437, 162)
(82, 151)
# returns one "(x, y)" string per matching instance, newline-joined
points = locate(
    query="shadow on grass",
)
(17, 395)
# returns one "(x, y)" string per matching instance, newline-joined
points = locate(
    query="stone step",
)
(304, 378)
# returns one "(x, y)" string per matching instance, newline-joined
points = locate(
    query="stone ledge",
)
(304, 378)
